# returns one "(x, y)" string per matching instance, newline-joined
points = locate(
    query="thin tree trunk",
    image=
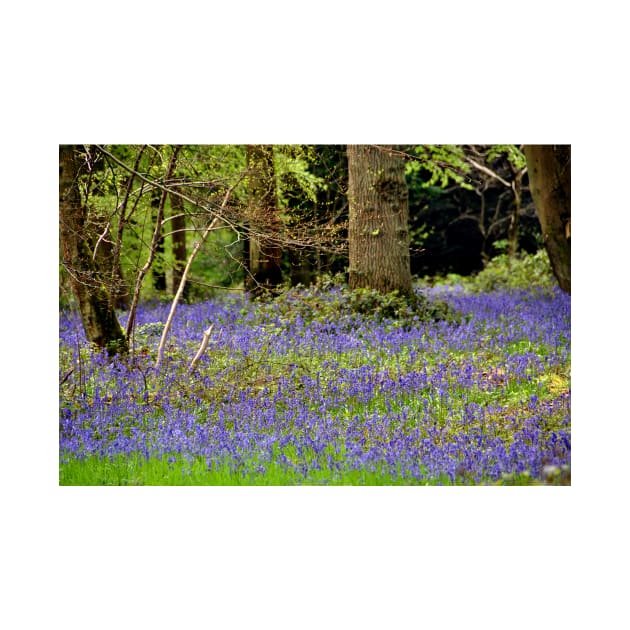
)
(122, 222)
(159, 274)
(378, 232)
(264, 253)
(248, 279)
(516, 213)
(157, 232)
(549, 168)
(182, 283)
(97, 314)
(178, 226)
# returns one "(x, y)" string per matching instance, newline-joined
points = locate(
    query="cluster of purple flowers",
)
(460, 401)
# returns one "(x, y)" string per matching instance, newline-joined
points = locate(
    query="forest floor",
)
(301, 392)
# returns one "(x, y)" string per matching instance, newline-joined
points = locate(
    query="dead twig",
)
(66, 377)
(202, 348)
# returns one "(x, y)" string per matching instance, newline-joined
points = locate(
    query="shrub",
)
(330, 299)
(523, 271)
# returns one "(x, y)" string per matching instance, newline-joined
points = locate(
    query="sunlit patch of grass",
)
(555, 383)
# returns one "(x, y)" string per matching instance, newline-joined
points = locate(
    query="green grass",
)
(135, 470)
(475, 384)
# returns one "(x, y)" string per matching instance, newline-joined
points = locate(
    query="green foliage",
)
(330, 299)
(449, 163)
(217, 265)
(444, 163)
(293, 171)
(216, 167)
(514, 155)
(522, 271)
(149, 331)
(116, 346)
(305, 183)
(203, 173)
(404, 308)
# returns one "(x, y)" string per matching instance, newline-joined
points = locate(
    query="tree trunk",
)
(264, 253)
(516, 213)
(153, 247)
(159, 273)
(107, 262)
(378, 233)
(178, 226)
(302, 267)
(549, 168)
(99, 319)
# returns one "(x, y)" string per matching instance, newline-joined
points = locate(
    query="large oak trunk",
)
(549, 168)
(97, 314)
(378, 233)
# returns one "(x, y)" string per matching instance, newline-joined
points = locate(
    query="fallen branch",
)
(66, 377)
(202, 347)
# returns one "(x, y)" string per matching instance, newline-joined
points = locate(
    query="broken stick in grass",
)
(202, 348)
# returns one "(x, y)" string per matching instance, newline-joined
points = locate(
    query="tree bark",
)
(516, 213)
(549, 168)
(178, 241)
(108, 262)
(159, 273)
(264, 254)
(157, 234)
(97, 314)
(122, 292)
(378, 232)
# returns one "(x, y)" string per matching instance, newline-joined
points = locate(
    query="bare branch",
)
(219, 227)
(191, 258)
(216, 286)
(487, 171)
(170, 189)
(66, 377)
(122, 219)
(100, 238)
(134, 170)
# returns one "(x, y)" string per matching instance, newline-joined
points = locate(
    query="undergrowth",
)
(504, 272)
(324, 386)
